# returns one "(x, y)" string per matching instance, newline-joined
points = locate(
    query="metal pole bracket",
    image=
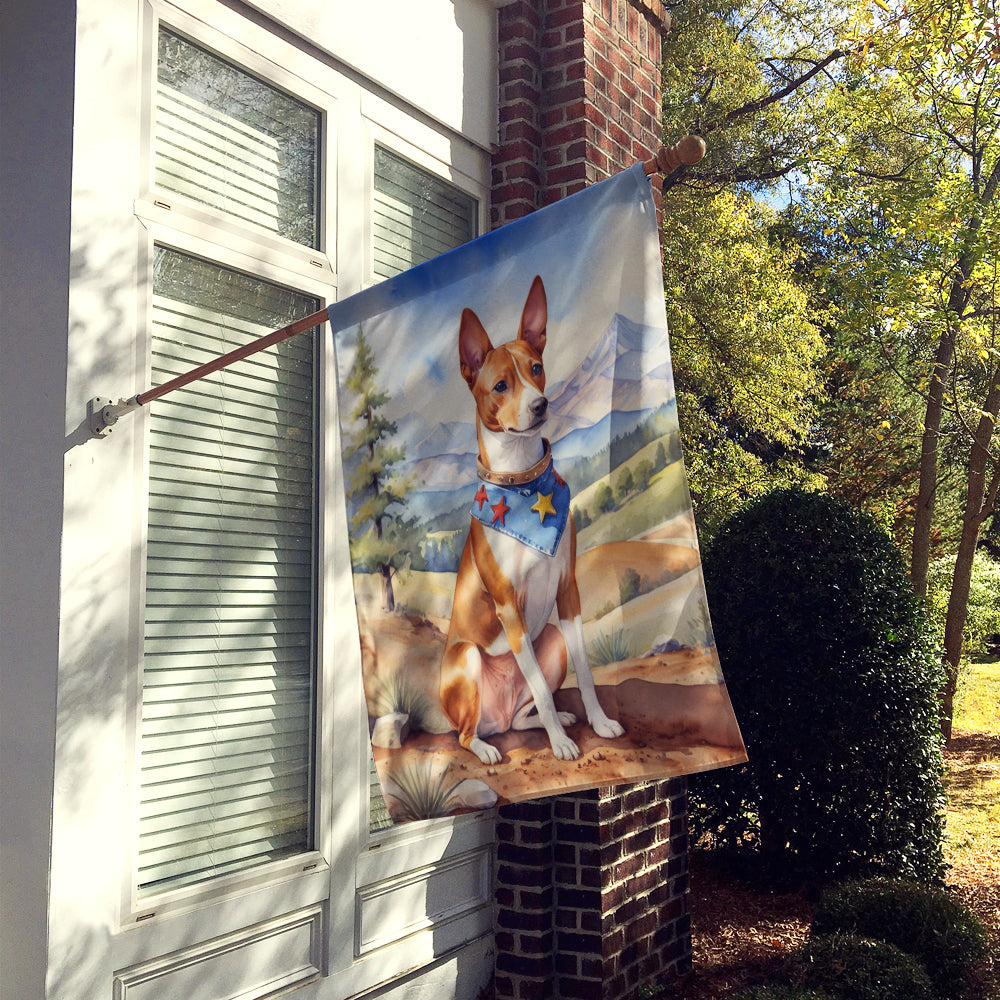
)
(103, 413)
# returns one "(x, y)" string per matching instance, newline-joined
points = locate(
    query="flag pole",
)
(103, 413)
(687, 152)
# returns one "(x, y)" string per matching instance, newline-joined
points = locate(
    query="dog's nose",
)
(538, 406)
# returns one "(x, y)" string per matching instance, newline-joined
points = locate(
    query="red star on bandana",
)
(499, 510)
(481, 497)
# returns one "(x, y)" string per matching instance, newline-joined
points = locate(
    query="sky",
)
(596, 251)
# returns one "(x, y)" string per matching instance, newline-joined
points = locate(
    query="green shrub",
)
(833, 674)
(783, 993)
(982, 618)
(925, 922)
(856, 968)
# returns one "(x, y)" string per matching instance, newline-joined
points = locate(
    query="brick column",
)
(579, 96)
(591, 888)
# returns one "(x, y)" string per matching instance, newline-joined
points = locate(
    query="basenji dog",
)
(504, 658)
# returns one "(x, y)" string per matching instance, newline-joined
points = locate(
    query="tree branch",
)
(754, 106)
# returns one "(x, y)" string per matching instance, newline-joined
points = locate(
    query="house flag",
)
(530, 602)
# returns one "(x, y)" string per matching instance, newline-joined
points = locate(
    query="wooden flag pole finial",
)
(668, 158)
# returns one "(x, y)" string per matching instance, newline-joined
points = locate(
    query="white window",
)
(228, 663)
(275, 184)
(229, 651)
(415, 216)
(233, 142)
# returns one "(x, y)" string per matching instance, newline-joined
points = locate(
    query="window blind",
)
(228, 654)
(416, 216)
(228, 140)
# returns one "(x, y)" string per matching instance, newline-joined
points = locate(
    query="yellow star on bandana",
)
(544, 506)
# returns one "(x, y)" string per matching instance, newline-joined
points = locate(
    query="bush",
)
(856, 968)
(834, 674)
(782, 993)
(925, 922)
(982, 620)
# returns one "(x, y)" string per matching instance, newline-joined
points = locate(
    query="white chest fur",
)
(535, 578)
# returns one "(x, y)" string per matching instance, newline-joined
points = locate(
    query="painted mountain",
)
(618, 385)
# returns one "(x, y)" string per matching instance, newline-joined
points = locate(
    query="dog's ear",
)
(473, 346)
(534, 317)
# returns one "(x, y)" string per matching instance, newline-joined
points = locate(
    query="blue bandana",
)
(536, 513)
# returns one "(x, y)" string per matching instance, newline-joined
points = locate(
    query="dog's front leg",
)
(563, 745)
(509, 613)
(572, 630)
(507, 609)
(571, 624)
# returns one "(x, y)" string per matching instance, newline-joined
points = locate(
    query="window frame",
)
(348, 865)
(177, 223)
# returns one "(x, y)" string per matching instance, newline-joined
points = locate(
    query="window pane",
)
(228, 140)
(228, 660)
(417, 215)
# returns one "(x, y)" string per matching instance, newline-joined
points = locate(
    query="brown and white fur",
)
(504, 658)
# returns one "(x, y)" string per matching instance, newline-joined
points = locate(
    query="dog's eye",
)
(501, 386)
(536, 369)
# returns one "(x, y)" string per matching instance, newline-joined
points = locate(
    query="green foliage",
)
(422, 793)
(924, 921)
(398, 693)
(724, 59)
(856, 968)
(644, 472)
(630, 584)
(782, 992)
(624, 483)
(381, 540)
(746, 352)
(604, 499)
(610, 647)
(983, 612)
(833, 674)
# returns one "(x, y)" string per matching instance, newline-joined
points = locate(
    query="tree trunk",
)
(958, 300)
(979, 501)
(920, 553)
(388, 597)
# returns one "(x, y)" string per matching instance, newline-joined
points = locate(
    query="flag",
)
(531, 611)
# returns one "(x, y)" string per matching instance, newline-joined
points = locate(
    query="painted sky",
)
(415, 334)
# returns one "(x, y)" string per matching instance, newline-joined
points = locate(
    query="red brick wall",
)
(591, 893)
(579, 96)
(591, 889)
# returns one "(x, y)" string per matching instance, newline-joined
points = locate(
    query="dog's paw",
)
(567, 718)
(563, 748)
(486, 752)
(608, 728)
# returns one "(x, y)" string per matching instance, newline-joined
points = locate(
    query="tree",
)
(749, 73)
(604, 499)
(624, 484)
(912, 186)
(380, 541)
(746, 349)
(747, 356)
(643, 474)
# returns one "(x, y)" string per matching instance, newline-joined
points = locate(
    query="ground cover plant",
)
(851, 967)
(926, 922)
(744, 933)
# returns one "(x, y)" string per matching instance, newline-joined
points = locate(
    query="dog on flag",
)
(503, 658)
